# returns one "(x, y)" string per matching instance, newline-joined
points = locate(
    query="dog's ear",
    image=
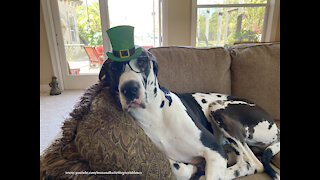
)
(104, 74)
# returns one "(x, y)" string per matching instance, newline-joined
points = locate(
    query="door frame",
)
(52, 41)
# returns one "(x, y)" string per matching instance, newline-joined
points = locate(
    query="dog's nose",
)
(130, 90)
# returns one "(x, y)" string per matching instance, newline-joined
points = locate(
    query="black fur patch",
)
(169, 99)
(251, 131)
(176, 166)
(248, 115)
(266, 158)
(193, 107)
(232, 141)
(155, 91)
(236, 152)
(162, 104)
(248, 165)
(195, 112)
(111, 71)
(236, 173)
(166, 94)
(198, 174)
(242, 115)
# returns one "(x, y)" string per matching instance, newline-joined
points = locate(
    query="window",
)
(142, 14)
(83, 31)
(224, 22)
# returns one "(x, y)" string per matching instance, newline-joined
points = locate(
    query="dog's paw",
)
(182, 171)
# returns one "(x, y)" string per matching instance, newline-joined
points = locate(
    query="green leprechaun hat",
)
(122, 42)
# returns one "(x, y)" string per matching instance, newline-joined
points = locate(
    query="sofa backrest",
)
(255, 74)
(250, 71)
(184, 69)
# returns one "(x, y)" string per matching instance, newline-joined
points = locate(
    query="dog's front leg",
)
(215, 165)
(246, 162)
(182, 171)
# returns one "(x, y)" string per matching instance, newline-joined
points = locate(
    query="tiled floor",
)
(53, 111)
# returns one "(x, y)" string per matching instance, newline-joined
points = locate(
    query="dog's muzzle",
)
(131, 92)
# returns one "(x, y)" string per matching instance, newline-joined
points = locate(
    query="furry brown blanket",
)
(100, 137)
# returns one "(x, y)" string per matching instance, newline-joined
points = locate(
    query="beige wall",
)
(179, 22)
(46, 71)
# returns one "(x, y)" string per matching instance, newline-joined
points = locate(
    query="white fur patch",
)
(212, 97)
(215, 165)
(263, 134)
(216, 100)
(182, 171)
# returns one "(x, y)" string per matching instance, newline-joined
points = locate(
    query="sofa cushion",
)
(183, 69)
(99, 136)
(110, 140)
(255, 75)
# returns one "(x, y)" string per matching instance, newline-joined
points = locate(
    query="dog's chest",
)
(177, 143)
(172, 131)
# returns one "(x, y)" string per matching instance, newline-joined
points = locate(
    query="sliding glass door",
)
(82, 42)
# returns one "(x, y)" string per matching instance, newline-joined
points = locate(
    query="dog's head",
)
(135, 81)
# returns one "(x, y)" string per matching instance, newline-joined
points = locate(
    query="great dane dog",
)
(178, 124)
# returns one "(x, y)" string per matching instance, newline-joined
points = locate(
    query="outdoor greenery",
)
(89, 27)
(244, 24)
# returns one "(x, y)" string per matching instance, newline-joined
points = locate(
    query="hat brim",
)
(134, 56)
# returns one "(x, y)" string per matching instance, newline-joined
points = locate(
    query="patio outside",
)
(81, 61)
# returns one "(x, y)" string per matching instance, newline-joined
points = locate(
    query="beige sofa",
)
(250, 71)
(100, 137)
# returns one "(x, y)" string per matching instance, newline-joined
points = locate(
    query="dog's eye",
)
(142, 63)
(139, 65)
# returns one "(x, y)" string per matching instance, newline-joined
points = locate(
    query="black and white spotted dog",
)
(178, 123)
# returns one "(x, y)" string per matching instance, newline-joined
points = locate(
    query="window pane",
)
(82, 36)
(142, 14)
(224, 26)
(201, 2)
